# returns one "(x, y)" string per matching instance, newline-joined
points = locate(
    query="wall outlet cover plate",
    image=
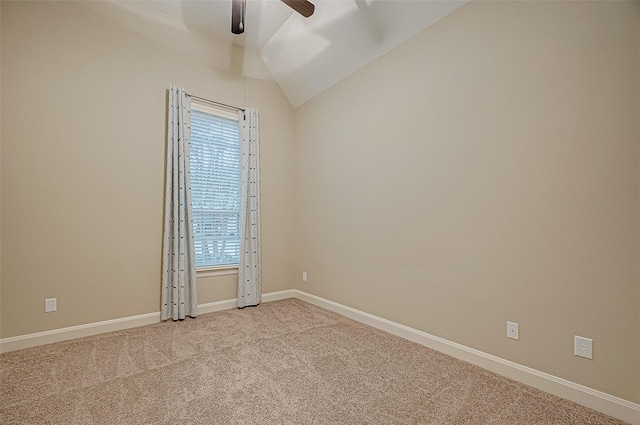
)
(512, 330)
(583, 347)
(50, 305)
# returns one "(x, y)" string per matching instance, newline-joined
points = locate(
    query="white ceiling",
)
(304, 56)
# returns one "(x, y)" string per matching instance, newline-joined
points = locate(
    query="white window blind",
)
(215, 188)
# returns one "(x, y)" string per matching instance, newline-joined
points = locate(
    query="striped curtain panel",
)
(179, 295)
(250, 268)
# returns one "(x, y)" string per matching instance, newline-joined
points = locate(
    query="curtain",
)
(250, 268)
(179, 295)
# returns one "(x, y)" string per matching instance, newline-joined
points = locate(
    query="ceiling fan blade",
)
(303, 7)
(238, 8)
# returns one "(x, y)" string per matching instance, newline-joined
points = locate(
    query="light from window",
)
(215, 189)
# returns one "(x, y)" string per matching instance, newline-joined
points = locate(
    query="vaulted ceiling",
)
(304, 56)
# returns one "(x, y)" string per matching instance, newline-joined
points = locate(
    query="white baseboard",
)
(64, 334)
(72, 332)
(277, 296)
(596, 400)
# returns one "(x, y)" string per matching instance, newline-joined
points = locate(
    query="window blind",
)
(215, 189)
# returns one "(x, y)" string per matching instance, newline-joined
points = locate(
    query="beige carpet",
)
(284, 362)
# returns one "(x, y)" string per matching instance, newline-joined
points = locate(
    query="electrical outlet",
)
(512, 330)
(304, 276)
(583, 347)
(50, 305)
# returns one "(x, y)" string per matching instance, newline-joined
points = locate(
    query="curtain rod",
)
(215, 103)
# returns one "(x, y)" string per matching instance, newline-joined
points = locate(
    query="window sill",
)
(217, 271)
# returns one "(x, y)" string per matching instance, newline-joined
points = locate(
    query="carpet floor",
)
(284, 362)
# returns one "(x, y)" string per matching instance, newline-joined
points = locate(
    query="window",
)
(215, 186)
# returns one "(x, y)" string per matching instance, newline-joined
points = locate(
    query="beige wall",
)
(485, 171)
(83, 148)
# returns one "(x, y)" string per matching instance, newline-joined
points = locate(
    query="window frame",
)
(221, 111)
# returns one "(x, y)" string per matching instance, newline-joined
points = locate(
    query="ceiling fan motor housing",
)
(239, 7)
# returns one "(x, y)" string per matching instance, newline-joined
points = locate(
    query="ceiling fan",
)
(238, 8)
